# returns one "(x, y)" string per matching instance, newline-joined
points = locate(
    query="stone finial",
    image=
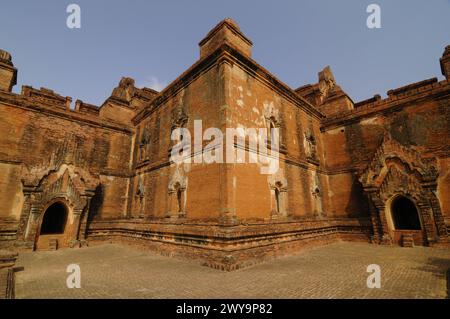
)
(226, 32)
(125, 91)
(445, 62)
(326, 81)
(326, 76)
(5, 57)
(232, 22)
(8, 73)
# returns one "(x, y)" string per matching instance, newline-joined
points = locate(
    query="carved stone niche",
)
(144, 144)
(316, 193)
(310, 145)
(179, 120)
(273, 120)
(71, 188)
(179, 117)
(396, 170)
(177, 193)
(140, 195)
(278, 195)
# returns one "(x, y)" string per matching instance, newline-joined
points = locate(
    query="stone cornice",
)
(263, 74)
(15, 100)
(231, 55)
(392, 103)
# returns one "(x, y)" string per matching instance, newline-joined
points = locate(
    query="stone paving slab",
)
(334, 271)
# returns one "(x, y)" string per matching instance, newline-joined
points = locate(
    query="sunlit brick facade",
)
(74, 174)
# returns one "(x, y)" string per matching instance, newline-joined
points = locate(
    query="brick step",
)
(53, 244)
(407, 240)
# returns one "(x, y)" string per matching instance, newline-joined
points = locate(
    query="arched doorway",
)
(404, 214)
(54, 221)
(52, 232)
(407, 228)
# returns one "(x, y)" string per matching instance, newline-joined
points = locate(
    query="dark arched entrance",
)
(54, 220)
(404, 214)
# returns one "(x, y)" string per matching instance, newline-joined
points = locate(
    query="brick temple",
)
(74, 174)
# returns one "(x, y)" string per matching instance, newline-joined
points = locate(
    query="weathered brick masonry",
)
(377, 170)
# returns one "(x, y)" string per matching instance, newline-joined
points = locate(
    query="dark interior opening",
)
(405, 214)
(277, 199)
(54, 220)
(179, 194)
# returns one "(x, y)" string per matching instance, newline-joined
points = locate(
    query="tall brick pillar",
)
(8, 73)
(445, 62)
(226, 33)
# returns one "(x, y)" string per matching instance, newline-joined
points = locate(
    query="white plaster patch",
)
(335, 131)
(268, 105)
(372, 120)
(238, 73)
(260, 123)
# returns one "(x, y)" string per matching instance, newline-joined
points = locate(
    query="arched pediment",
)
(398, 181)
(39, 179)
(69, 184)
(392, 154)
(68, 181)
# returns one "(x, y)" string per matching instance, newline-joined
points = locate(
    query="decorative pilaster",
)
(177, 193)
(32, 226)
(376, 223)
(441, 228)
(24, 216)
(379, 205)
(427, 222)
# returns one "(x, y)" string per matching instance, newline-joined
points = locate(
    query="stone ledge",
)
(236, 250)
(7, 277)
(7, 258)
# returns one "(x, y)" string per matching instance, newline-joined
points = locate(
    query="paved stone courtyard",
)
(333, 271)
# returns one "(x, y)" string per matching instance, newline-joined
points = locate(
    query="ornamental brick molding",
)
(399, 170)
(68, 184)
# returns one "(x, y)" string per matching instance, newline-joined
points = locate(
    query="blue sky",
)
(155, 41)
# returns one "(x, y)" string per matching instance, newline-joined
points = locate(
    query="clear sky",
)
(155, 41)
